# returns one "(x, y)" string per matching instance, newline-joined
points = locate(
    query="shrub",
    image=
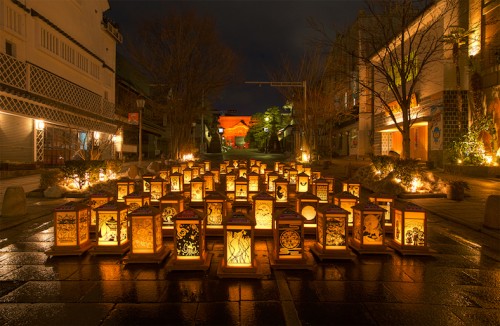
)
(50, 178)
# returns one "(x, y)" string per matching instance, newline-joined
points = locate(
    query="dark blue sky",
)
(260, 32)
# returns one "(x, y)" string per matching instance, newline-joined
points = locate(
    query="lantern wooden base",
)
(197, 205)
(310, 228)
(110, 250)
(69, 250)
(92, 229)
(305, 263)
(323, 254)
(214, 231)
(263, 232)
(255, 272)
(148, 258)
(389, 228)
(167, 232)
(201, 264)
(364, 249)
(411, 250)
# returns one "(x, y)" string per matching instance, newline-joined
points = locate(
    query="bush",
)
(50, 178)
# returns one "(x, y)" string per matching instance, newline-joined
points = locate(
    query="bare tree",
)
(188, 66)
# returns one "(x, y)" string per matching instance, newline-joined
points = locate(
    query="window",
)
(10, 48)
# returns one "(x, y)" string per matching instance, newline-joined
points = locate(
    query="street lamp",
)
(140, 105)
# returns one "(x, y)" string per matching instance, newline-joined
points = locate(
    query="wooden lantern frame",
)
(170, 205)
(263, 209)
(385, 201)
(112, 220)
(97, 199)
(124, 186)
(137, 199)
(215, 210)
(368, 232)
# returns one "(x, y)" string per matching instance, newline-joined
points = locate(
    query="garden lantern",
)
(253, 162)
(308, 171)
(223, 168)
(146, 240)
(292, 176)
(176, 168)
(281, 191)
(266, 176)
(164, 174)
(263, 167)
(230, 185)
(239, 248)
(216, 175)
(253, 182)
(170, 205)
(215, 211)
(146, 182)
(137, 199)
(410, 230)
(176, 182)
(71, 230)
(242, 172)
(230, 168)
(124, 186)
(299, 167)
(385, 201)
(332, 234)
(158, 189)
(195, 171)
(97, 199)
(187, 175)
(241, 189)
(207, 165)
(276, 166)
(183, 166)
(190, 164)
(197, 192)
(315, 176)
(254, 168)
(288, 241)
(281, 168)
(263, 208)
(354, 187)
(112, 229)
(302, 183)
(368, 234)
(189, 242)
(270, 181)
(331, 183)
(208, 177)
(346, 200)
(320, 189)
(307, 206)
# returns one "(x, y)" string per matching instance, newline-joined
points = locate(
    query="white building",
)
(57, 80)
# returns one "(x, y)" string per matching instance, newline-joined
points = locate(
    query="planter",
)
(455, 192)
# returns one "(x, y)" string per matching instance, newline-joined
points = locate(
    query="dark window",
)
(10, 48)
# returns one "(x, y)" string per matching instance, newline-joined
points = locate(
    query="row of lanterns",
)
(136, 223)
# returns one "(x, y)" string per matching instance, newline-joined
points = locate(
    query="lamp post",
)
(221, 137)
(140, 105)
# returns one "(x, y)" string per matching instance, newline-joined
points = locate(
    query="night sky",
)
(260, 32)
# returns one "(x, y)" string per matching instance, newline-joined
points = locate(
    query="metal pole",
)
(140, 137)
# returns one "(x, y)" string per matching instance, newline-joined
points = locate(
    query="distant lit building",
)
(57, 82)
(235, 130)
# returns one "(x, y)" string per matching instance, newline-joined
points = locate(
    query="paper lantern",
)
(158, 188)
(288, 241)
(242, 172)
(308, 171)
(410, 230)
(170, 205)
(315, 175)
(385, 201)
(302, 182)
(320, 189)
(241, 189)
(281, 191)
(368, 234)
(207, 165)
(71, 230)
(253, 162)
(346, 200)
(215, 212)
(146, 182)
(292, 176)
(331, 183)
(263, 208)
(195, 171)
(276, 166)
(307, 206)
(190, 164)
(189, 242)
(183, 166)
(299, 167)
(187, 175)
(124, 186)
(281, 168)
(97, 199)
(230, 185)
(137, 199)
(176, 182)
(332, 234)
(253, 181)
(270, 181)
(263, 167)
(197, 192)
(112, 229)
(255, 168)
(164, 174)
(216, 176)
(223, 168)
(352, 186)
(208, 177)
(146, 236)
(176, 168)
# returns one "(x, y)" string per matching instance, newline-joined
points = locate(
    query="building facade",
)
(57, 81)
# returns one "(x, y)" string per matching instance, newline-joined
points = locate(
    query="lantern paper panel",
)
(188, 240)
(110, 231)
(66, 226)
(335, 229)
(414, 232)
(290, 241)
(176, 182)
(123, 188)
(143, 233)
(322, 192)
(157, 189)
(238, 247)
(263, 214)
(96, 200)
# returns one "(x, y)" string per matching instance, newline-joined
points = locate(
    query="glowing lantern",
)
(242, 172)
(281, 168)
(331, 183)
(97, 199)
(208, 177)
(197, 192)
(230, 168)
(190, 164)
(276, 166)
(263, 208)
(299, 167)
(146, 182)
(189, 242)
(146, 237)
(302, 182)
(124, 186)
(270, 181)
(253, 162)
(158, 189)
(253, 181)
(266, 175)
(215, 212)
(112, 229)
(223, 168)
(315, 176)
(164, 174)
(292, 176)
(176, 169)
(176, 182)
(207, 165)
(137, 199)
(410, 230)
(241, 189)
(308, 171)
(239, 248)
(320, 189)
(307, 206)
(170, 205)
(183, 166)
(254, 168)
(263, 167)
(332, 234)
(230, 178)
(288, 241)
(216, 175)
(281, 191)
(187, 175)
(368, 234)
(346, 200)
(71, 230)
(385, 201)
(195, 172)
(354, 187)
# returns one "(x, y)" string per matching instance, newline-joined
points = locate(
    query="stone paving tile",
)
(412, 314)
(261, 313)
(152, 314)
(18, 314)
(477, 316)
(259, 290)
(49, 292)
(218, 313)
(125, 291)
(333, 313)
(37, 272)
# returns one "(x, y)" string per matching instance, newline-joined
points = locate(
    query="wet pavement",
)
(458, 285)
